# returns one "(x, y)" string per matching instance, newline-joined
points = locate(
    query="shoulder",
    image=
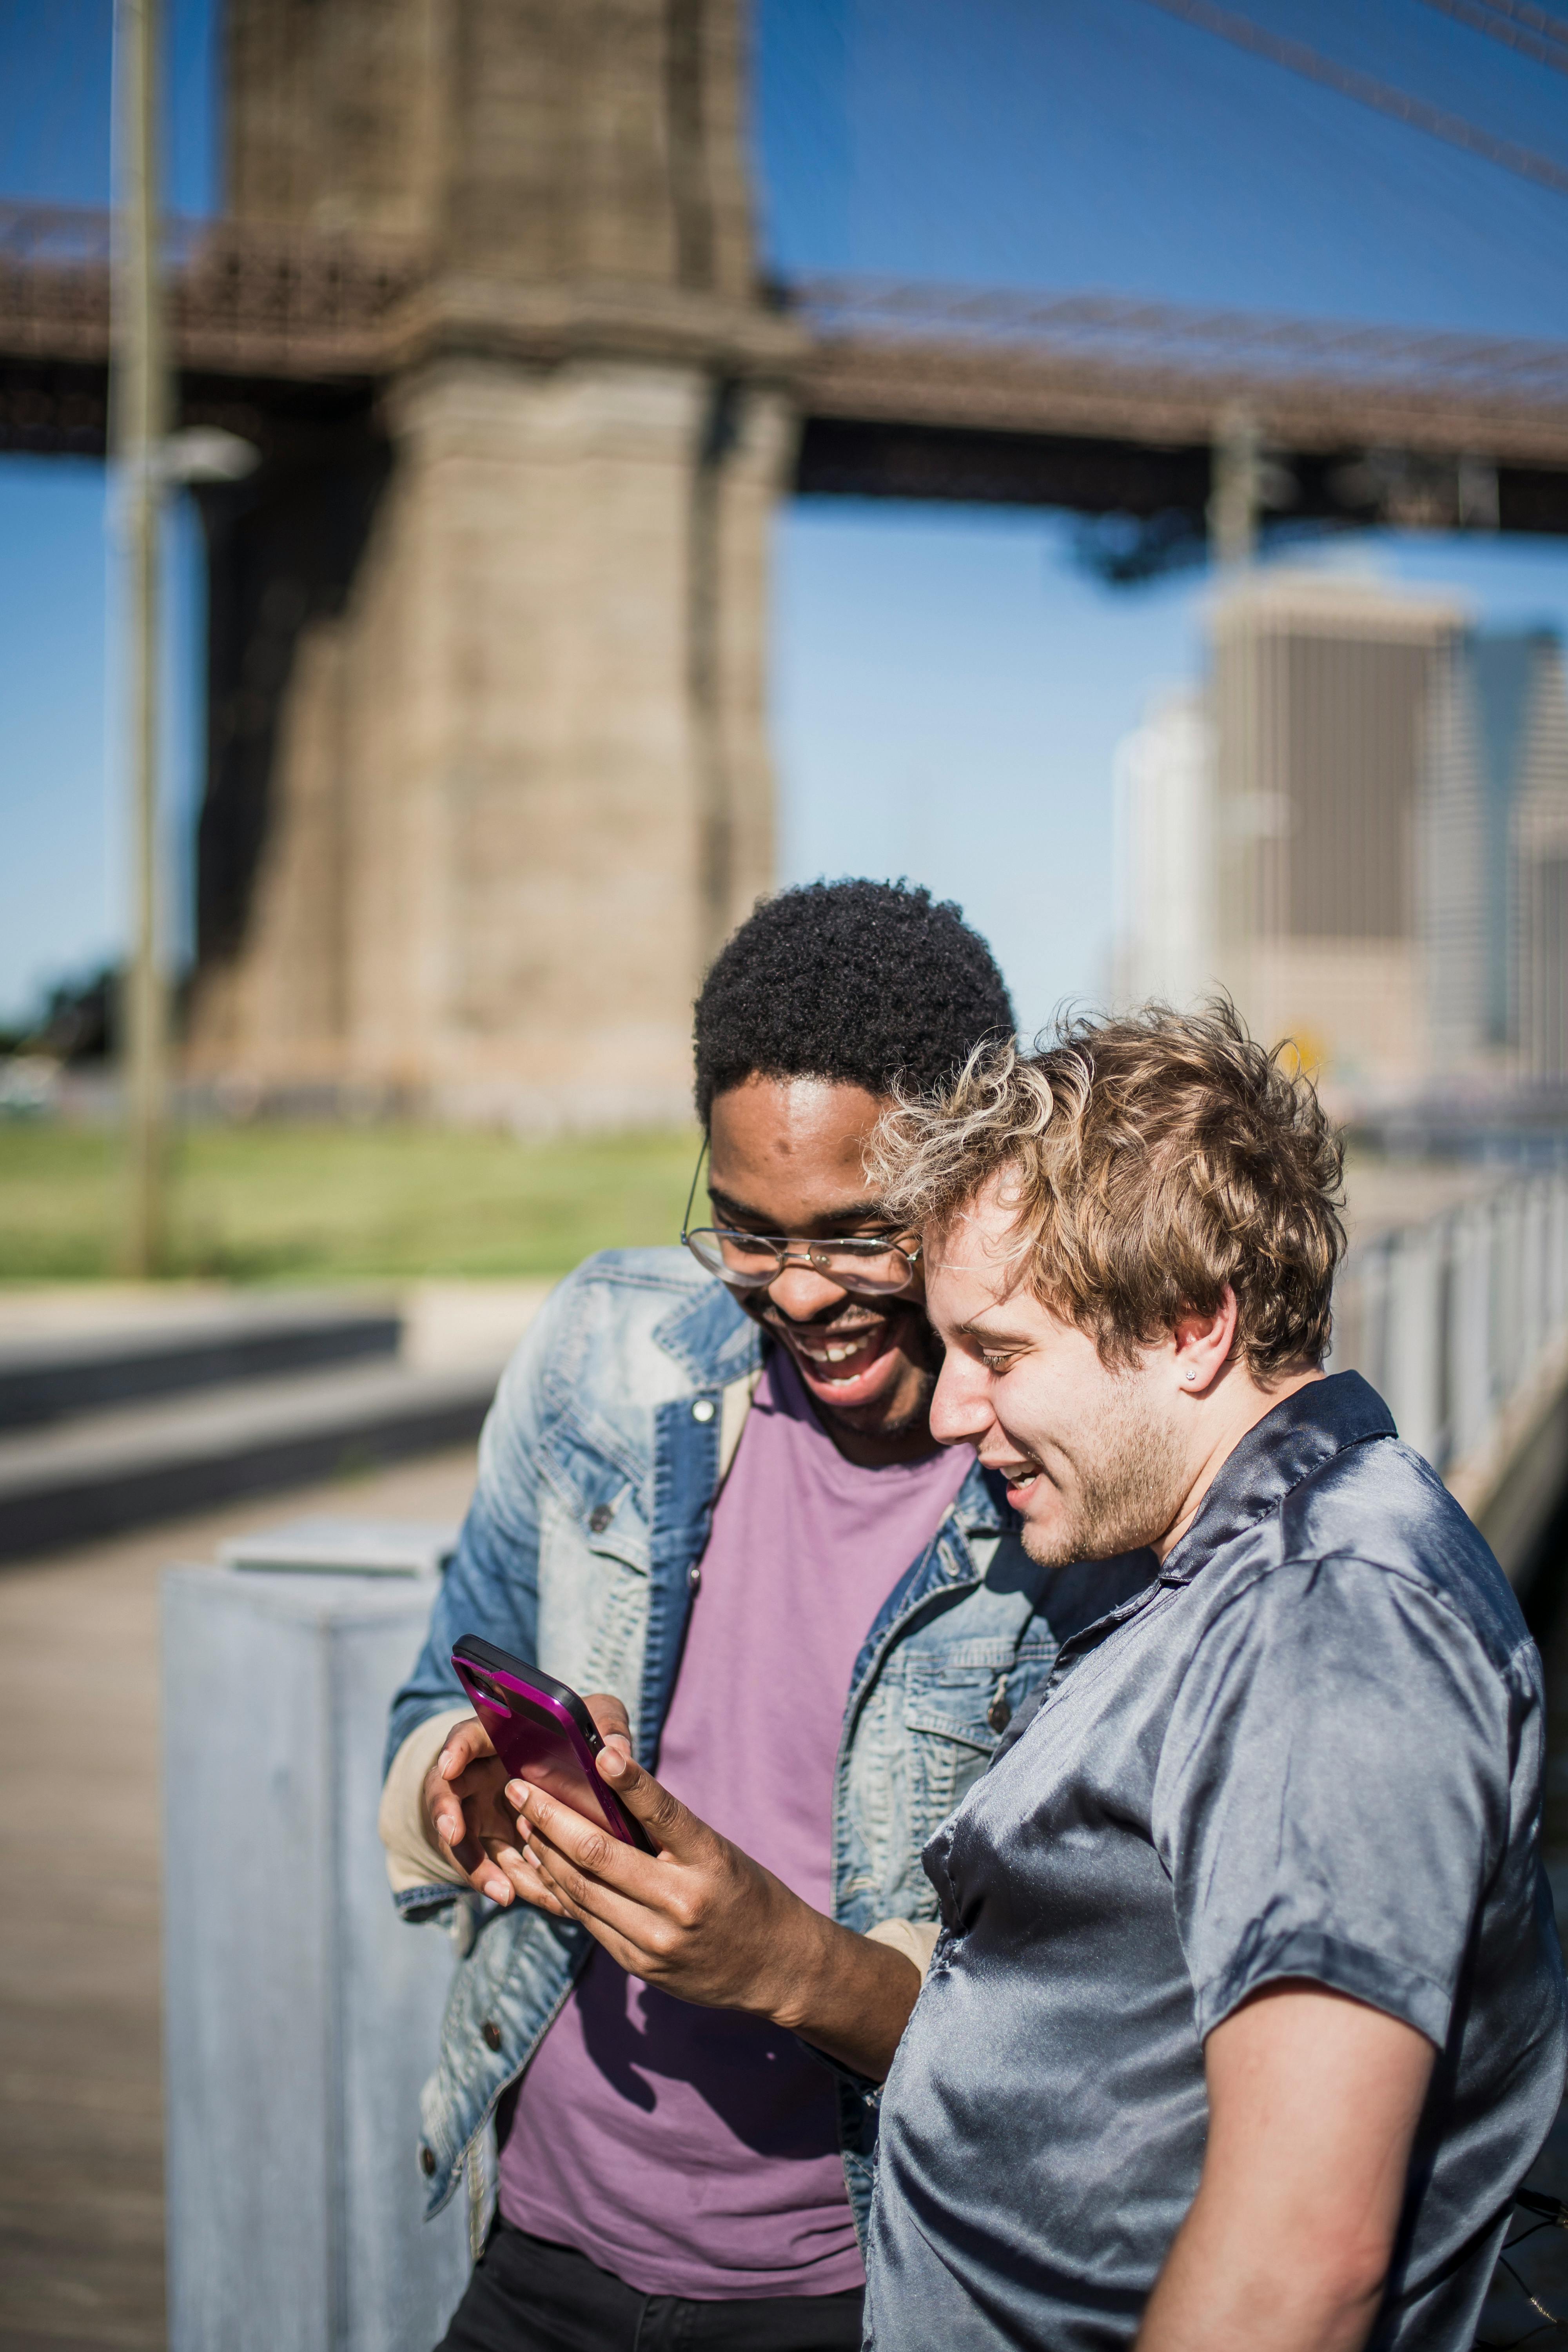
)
(639, 1325)
(1377, 1520)
(628, 1284)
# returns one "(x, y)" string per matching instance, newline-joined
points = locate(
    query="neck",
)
(1236, 1404)
(878, 1449)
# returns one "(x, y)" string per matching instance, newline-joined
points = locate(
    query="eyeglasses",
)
(872, 1265)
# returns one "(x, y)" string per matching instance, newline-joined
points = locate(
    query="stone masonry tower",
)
(487, 776)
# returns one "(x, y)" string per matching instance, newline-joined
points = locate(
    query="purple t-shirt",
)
(694, 2151)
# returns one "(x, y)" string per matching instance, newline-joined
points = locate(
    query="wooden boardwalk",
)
(82, 2192)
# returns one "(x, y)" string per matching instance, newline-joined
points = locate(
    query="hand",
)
(701, 1920)
(466, 1807)
(466, 1811)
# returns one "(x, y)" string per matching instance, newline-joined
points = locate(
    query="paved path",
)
(81, 2199)
(82, 2220)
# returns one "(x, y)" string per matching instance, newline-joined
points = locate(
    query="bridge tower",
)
(488, 777)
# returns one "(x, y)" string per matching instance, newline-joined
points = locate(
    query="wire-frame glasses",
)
(872, 1265)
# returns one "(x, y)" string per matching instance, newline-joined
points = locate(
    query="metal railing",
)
(1258, 346)
(1459, 1320)
(242, 297)
(288, 300)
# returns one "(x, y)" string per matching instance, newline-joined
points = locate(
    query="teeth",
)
(832, 1353)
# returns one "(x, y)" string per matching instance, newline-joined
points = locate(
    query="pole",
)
(142, 409)
(1235, 497)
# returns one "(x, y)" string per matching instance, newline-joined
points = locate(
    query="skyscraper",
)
(1343, 810)
(1361, 829)
(1521, 723)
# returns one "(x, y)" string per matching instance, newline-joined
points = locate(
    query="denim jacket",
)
(598, 1469)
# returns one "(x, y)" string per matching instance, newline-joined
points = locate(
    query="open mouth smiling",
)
(1020, 1473)
(837, 1362)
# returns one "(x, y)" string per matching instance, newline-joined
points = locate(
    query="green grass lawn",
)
(279, 1203)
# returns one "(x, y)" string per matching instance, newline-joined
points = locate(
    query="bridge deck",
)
(1091, 402)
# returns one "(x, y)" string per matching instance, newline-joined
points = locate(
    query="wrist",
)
(808, 1970)
(800, 1939)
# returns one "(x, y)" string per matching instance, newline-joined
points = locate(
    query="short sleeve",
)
(1332, 1792)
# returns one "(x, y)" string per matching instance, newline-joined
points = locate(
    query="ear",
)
(1202, 1346)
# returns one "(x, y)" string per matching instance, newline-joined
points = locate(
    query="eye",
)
(995, 1363)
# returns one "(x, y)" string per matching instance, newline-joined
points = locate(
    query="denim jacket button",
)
(491, 2032)
(426, 2161)
(599, 1517)
(694, 1576)
(703, 1409)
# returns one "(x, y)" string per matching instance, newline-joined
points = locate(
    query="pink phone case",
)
(542, 1733)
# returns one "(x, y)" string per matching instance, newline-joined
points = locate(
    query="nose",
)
(800, 1293)
(961, 1405)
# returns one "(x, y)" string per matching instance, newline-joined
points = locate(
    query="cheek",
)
(1014, 1393)
(1028, 1404)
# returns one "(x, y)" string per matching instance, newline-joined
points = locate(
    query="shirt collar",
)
(1302, 1433)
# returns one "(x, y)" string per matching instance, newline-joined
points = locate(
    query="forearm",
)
(847, 1995)
(1229, 2287)
(700, 1919)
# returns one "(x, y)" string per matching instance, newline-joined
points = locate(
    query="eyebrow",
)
(978, 1331)
(858, 1213)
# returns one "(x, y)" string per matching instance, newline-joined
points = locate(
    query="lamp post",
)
(141, 409)
(150, 459)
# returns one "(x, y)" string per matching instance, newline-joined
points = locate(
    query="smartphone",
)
(542, 1732)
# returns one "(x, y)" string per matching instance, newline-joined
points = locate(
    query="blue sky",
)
(947, 686)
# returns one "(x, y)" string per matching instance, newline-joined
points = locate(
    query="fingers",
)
(463, 1742)
(602, 1881)
(466, 1743)
(580, 1842)
(509, 1874)
(674, 1830)
(641, 1929)
(610, 1718)
(544, 1879)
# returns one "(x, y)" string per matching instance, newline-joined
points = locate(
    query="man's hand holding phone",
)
(699, 1918)
(467, 1808)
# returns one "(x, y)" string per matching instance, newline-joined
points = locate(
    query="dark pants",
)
(529, 2296)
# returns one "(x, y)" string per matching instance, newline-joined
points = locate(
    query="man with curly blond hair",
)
(1246, 2018)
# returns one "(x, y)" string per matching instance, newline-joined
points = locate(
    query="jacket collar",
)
(716, 1342)
(982, 1507)
(1302, 1433)
(711, 1338)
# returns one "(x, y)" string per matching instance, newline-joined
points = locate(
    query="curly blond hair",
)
(1153, 1160)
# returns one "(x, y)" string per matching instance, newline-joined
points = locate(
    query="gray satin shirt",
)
(1312, 1747)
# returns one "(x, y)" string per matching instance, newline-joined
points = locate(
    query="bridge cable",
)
(1417, 113)
(1484, 17)
(1521, 13)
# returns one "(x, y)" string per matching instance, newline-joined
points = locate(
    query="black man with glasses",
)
(709, 1495)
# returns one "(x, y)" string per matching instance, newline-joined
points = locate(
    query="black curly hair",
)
(860, 981)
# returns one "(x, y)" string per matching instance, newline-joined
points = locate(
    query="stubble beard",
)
(1130, 1476)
